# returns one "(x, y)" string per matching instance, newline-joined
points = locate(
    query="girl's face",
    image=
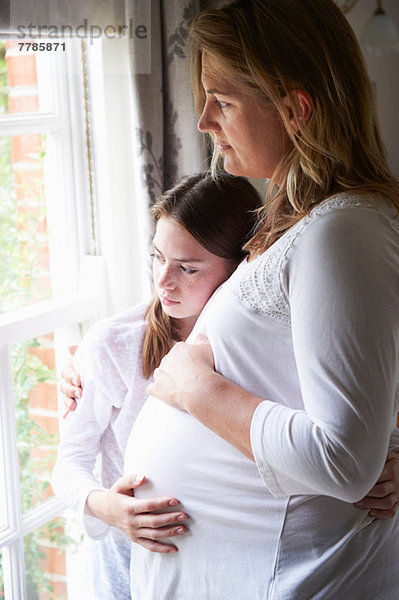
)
(185, 273)
(249, 133)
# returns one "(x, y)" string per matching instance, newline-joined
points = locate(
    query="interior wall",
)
(384, 71)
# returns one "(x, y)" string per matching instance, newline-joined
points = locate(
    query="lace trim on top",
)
(258, 284)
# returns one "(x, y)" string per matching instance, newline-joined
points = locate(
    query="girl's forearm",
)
(96, 505)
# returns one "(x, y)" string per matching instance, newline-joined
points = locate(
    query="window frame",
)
(73, 226)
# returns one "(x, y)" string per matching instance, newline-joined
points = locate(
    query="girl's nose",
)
(166, 279)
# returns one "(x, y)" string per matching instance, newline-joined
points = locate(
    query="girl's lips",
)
(168, 302)
(224, 147)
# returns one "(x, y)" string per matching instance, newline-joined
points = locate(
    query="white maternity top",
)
(312, 327)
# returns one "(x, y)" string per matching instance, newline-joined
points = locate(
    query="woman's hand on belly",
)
(180, 372)
(137, 518)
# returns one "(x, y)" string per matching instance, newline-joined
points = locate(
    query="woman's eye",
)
(155, 256)
(187, 270)
(221, 103)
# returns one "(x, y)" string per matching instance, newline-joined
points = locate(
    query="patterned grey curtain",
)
(169, 145)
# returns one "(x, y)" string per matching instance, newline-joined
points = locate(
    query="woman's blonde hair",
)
(221, 215)
(271, 48)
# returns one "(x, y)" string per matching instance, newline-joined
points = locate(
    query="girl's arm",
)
(118, 507)
(382, 501)
(98, 507)
(74, 482)
(70, 384)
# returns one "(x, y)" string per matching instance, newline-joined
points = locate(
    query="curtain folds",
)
(169, 145)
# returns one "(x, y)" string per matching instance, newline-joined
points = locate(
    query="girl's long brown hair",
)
(262, 48)
(220, 213)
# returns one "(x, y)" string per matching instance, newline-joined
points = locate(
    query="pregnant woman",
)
(270, 432)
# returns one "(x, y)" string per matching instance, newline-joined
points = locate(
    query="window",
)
(47, 226)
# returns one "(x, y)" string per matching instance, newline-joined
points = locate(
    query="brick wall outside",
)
(28, 180)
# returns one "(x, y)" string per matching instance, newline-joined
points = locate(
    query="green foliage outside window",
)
(3, 80)
(19, 243)
(28, 371)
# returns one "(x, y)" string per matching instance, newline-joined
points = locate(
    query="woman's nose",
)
(207, 121)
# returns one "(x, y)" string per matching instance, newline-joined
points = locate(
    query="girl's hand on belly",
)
(181, 372)
(382, 501)
(136, 518)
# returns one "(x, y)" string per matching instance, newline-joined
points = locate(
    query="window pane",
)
(46, 561)
(3, 515)
(24, 250)
(1, 576)
(25, 85)
(37, 417)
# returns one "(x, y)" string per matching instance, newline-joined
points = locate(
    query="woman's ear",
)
(304, 101)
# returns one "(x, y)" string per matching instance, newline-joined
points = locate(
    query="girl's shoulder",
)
(125, 328)
(111, 349)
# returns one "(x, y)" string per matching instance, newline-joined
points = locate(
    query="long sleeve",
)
(341, 281)
(108, 360)
(73, 476)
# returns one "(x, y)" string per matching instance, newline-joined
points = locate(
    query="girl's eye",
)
(187, 270)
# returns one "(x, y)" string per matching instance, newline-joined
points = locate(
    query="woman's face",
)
(249, 133)
(185, 273)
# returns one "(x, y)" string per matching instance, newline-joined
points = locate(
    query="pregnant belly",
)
(180, 457)
(236, 529)
(233, 524)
